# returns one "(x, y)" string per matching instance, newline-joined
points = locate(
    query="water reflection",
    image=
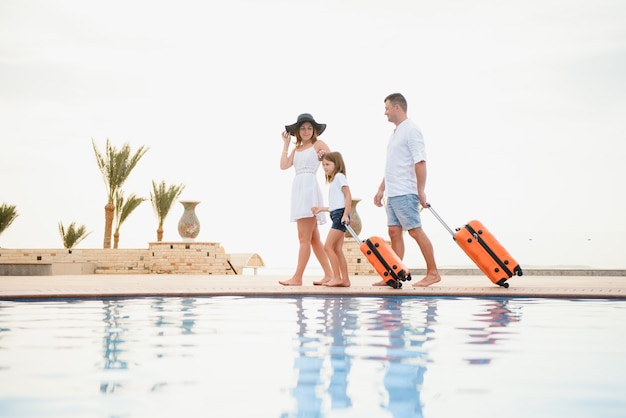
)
(163, 314)
(163, 309)
(489, 323)
(311, 357)
(339, 324)
(112, 342)
(386, 339)
(392, 335)
(322, 335)
(113, 336)
(390, 338)
(406, 362)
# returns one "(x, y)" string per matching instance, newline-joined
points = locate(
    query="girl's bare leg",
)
(334, 249)
(332, 257)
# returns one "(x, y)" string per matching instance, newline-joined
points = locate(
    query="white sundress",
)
(305, 191)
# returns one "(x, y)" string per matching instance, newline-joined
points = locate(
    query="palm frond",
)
(73, 236)
(162, 197)
(8, 213)
(124, 207)
(116, 165)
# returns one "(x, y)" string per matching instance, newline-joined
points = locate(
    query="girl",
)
(339, 205)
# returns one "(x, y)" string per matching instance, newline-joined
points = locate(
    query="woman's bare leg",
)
(322, 257)
(306, 226)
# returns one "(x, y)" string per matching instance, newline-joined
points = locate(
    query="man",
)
(404, 184)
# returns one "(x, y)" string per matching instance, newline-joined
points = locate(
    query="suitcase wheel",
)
(394, 283)
(503, 283)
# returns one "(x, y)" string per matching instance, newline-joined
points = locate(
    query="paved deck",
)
(102, 286)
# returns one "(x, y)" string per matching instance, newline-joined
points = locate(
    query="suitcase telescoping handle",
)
(440, 220)
(354, 235)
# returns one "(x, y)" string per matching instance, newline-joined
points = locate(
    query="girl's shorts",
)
(335, 216)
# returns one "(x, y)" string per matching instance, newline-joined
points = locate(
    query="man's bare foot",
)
(380, 283)
(338, 283)
(428, 280)
(291, 282)
(323, 281)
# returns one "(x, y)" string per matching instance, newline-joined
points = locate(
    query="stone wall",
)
(160, 257)
(188, 258)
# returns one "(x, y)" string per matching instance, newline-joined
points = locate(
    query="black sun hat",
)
(305, 117)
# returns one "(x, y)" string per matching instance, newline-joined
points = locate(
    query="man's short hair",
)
(397, 99)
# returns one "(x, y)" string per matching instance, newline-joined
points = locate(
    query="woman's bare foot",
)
(429, 279)
(338, 283)
(323, 281)
(291, 282)
(380, 283)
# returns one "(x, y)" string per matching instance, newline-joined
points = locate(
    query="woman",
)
(306, 192)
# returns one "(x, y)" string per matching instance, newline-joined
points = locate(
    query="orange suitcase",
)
(384, 260)
(485, 251)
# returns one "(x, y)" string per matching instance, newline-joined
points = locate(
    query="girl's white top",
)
(336, 197)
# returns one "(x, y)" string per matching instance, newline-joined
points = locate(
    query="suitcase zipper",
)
(489, 251)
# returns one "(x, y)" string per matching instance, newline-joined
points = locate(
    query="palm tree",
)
(115, 166)
(73, 236)
(8, 213)
(122, 210)
(162, 198)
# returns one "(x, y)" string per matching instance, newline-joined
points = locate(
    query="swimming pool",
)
(313, 357)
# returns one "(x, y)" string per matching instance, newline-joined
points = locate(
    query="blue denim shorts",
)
(335, 216)
(404, 211)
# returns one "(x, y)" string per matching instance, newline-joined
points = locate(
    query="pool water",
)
(313, 357)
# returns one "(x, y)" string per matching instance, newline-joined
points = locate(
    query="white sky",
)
(522, 106)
